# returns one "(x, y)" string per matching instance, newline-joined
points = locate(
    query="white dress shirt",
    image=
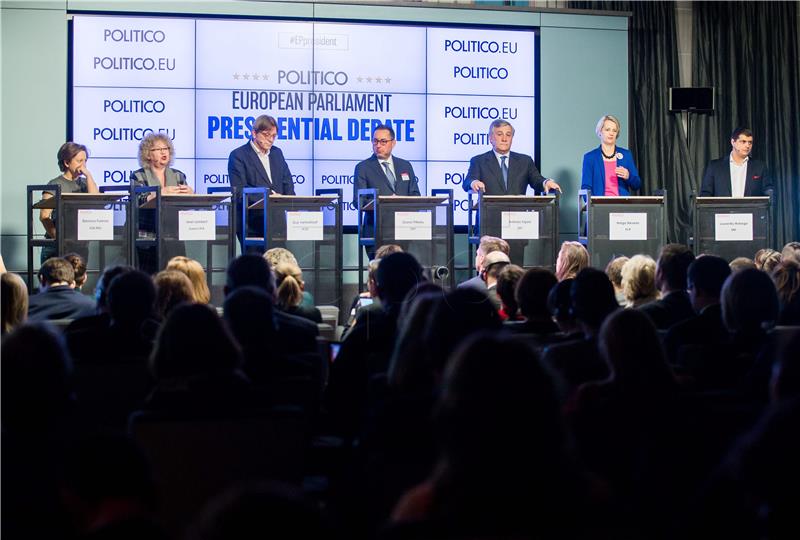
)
(738, 176)
(263, 157)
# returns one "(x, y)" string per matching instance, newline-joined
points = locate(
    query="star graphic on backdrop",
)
(236, 76)
(265, 76)
(369, 79)
(359, 79)
(379, 80)
(256, 76)
(388, 80)
(246, 76)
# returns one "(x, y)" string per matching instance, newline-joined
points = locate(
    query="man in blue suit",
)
(737, 175)
(386, 173)
(258, 163)
(503, 172)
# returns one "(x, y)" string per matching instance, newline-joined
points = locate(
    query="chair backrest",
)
(330, 315)
(326, 331)
(194, 459)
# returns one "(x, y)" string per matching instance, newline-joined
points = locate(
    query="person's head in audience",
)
(247, 270)
(572, 258)
(740, 263)
(787, 282)
(372, 273)
(278, 255)
(749, 302)
(397, 274)
(250, 315)
(463, 312)
(107, 483)
(493, 264)
(532, 291)
(289, 279)
(559, 304)
(639, 280)
(197, 276)
(507, 281)
(259, 511)
(487, 245)
(785, 382)
(767, 259)
(704, 280)
(629, 344)
(36, 383)
(194, 341)
(386, 250)
(172, 288)
(79, 268)
(791, 251)
(592, 299)
(56, 272)
(614, 273)
(131, 299)
(14, 299)
(673, 262)
(101, 289)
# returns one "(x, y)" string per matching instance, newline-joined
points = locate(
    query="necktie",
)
(389, 174)
(504, 169)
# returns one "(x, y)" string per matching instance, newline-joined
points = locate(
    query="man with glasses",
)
(258, 163)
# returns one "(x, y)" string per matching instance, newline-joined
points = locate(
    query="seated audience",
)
(487, 245)
(786, 276)
(14, 299)
(507, 281)
(740, 263)
(79, 267)
(704, 279)
(791, 251)
(531, 294)
(670, 279)
(559, 304)
(172, 288)
(57, 298)
(767, 259)
(101, 318)
(197, 276)
(493, 264)
(289, 279)
(639, 281)
(614, 273)
(504, 469)
(366, 300)
(572, 258)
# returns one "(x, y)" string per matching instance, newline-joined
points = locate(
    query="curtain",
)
(748, 51)
(656, 138)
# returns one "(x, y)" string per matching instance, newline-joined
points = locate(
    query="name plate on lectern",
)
(413, 226)
(197, 225)
(733, 227)
(627, 226)
(95, 224)
(516, 225)
(304, 226)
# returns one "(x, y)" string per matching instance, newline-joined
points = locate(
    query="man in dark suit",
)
(258, 163)
(57, 298)
(737, 175)
(674, 306)
(503, 172)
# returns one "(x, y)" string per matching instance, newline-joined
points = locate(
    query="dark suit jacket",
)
(521, 174)
(673, 308)
(369, 174)
(59, 303)
(576, 362)
(245, 170)
(594, 172)
(706, 328)
(717, 179)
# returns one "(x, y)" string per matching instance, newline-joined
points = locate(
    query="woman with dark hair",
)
(786, 276)
(74, 178)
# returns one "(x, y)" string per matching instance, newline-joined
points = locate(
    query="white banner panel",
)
(627, 226)
(733, 227)
(95, 224)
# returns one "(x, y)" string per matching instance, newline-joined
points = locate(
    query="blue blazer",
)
(594, 172)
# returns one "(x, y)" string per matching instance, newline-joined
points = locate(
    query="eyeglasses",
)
(164, 149)
(268, 134)
(381, 141)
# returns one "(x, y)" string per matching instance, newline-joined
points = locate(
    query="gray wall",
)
(584, 67)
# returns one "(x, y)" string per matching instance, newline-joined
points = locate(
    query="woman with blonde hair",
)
(572, 258)
(194, 271)
(639, 281)
(173, 288)
(609, 170)
(156, 155)
(14, 298)
(289, 282)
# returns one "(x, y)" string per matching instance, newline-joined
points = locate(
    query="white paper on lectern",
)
(519, 225)
(627, 226)
(304, 226)
(95, 224)
(196, 225)
(413, 226)
(733, 227)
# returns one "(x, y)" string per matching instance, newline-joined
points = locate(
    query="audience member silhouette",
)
(79, 268)
(786, 276)
(14, 299)
(572, 258)
(742, 263)
(674, 305)
(289, 280)
(172, 289)
(57, 299)
(559, 304)
(791, 251)
(102, 317)
(507, 281)
(767, 259)
(197, 276)
(531, 294)
(639, 281)
(614, 273)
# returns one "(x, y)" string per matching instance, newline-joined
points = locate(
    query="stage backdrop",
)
(202, 82)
